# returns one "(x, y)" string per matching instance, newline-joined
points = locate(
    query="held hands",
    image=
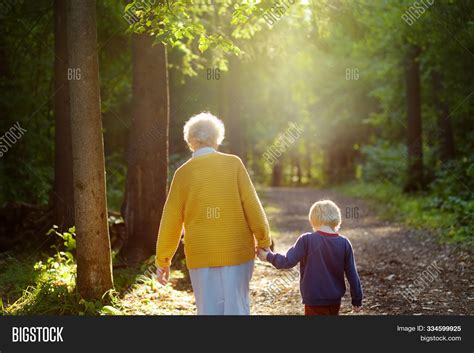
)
(163, 274)
(262, 253)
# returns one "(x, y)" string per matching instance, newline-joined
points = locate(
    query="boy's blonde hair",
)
(325, 213)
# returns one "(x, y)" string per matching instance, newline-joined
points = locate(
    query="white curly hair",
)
(203, 130)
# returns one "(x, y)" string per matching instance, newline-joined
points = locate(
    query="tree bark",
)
(94, 267)
(414, 179)
(308, 162)
(299, 172)
(234, 118)
(147, 154)
(63, 196)
(277, 174)
(445, 130)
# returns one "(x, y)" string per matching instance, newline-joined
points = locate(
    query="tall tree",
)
(233, 114)
(414, 179)
(445, 130)
(277, 174)
(94, 266)
(63, 195)
(147, 154)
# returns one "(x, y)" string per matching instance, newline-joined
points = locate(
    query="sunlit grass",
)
(48, 287)
(15, 275)
(148, 297)
(418, 211)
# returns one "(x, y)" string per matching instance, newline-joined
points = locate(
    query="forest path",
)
(389, 259)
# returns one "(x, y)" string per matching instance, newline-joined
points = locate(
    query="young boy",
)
(324, 257)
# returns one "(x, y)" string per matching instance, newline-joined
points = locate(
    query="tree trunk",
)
(299, 172)
(414, 179)
(234, 119)
(94, 266)
(308, 163)
(445, 130)
(276, 174)
(63, 195)
(147, 155)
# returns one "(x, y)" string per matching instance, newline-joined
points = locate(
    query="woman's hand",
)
(163, 274)
(262, 253)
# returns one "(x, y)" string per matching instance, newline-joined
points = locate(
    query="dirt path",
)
(389, 257)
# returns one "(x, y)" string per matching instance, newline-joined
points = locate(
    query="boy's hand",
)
(262, 253)
(356, 308)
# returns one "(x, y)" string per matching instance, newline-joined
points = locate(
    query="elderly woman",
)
(212, 196)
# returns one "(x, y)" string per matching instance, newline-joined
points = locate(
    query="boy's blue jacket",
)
(323, 258)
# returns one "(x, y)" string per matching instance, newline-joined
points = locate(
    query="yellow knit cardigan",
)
(213, 197)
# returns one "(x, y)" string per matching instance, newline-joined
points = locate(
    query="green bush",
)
(450, 218)
(47, 286)
(446, 205)
(383, 161)
(452, 192)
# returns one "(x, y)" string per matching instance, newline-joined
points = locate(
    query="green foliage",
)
(450, 219)
(384, 161)
(110, 310)
(27, 56)
(116, 179)
(446, 206)
(48, 286)
(452, 191)
(53, 290)
(16, 274)
(25, 83)
(68, 237)
(187, 27)
(294, 71)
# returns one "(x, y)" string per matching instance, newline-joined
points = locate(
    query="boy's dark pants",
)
(322, 310)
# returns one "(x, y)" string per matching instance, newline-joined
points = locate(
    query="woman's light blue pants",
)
(222, 290)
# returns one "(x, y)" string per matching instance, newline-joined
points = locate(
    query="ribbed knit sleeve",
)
(253, 209)
(352, 276)
(171, 225)
(292, 256)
